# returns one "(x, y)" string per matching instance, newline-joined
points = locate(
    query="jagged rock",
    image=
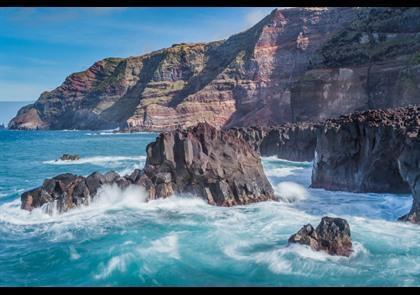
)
(359, 152)
(68, 157)
(215, 165)
(66, 191)
(331, 235)
(409, 164)
(293, 142)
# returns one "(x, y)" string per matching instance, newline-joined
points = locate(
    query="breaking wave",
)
(290, 191)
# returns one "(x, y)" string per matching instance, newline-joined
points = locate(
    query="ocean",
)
(121, 240)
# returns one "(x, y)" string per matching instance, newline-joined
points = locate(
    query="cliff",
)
(301, 64)
(371, 63)
(360, 152)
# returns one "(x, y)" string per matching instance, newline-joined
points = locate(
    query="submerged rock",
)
(212, 164)
(293, 142)
(68, 157)
(331, 235)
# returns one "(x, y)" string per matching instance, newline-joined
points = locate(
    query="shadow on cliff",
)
(126, 106)
(219, 59)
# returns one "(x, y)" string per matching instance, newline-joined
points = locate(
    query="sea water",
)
(122, 240)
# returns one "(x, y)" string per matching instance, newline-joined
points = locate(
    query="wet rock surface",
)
(332, 235)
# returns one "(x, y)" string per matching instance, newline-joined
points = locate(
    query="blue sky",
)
(39, 47)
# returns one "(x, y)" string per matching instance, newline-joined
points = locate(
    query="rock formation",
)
(68, 157)
(212, 164)
(331, 235)
(409, 164)
(290, 141)
(359, 152)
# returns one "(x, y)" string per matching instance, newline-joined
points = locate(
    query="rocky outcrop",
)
(332, 235)
(67, 191)
(221, 168)
(293, 142)
(212, 164)
(68, 157)
(359, 152)
(409, 164)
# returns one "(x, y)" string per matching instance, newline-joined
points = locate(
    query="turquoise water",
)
(122, 241)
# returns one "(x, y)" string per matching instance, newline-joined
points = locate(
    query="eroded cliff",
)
(359, 152)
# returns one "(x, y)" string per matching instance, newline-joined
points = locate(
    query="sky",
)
(40, 47)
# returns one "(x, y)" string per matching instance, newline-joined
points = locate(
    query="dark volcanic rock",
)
(409, 164)
(215, 165)
(359, 152)
(331, 235)
(68, 157)
(67, 191)
(293, 142)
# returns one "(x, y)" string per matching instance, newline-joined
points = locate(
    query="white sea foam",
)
(290, 191)
(74, 255)
(167, 245)
(275, 159)
(116, 263)
(97, 160)
(282, 172)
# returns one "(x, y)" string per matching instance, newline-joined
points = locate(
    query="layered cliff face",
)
(360, 152)
(371, 63)
(244, 80)
(291, 141)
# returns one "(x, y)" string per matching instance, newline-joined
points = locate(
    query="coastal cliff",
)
(241, 81)
(359, 152)
(300, 64)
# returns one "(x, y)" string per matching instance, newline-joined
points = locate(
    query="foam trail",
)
(282, 172)
(97, 160)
